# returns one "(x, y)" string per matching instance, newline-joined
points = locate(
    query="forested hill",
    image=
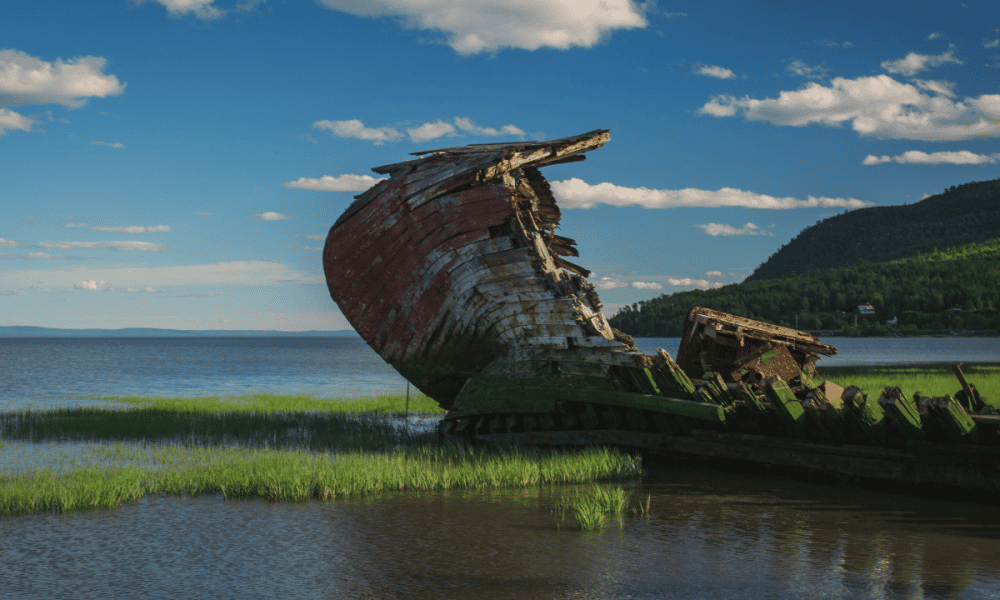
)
(963, 214)
(944, 290)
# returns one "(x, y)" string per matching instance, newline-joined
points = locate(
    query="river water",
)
(708, 534)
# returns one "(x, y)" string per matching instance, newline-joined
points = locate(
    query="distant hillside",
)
(961, 215)
(951, 289)
(22, 331)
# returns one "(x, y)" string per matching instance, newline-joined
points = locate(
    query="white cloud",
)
(312, 248)
(876, 106)
(713, 71)
(961, 157)
(354, 128)
(314, 236)
(207, 214)
(992, 43)
(89, 285)
(469, 127)
(714, 229)
(473, 26)
(713, 274)
(254, 272)
(7, 243)
(646, 285)
(698, 283)
(12, 293)
(202, 9)
(133, 229)
(802, 69)
(609, 283)
(118, 145)
(113, 246)
(934, 35)
(914, 63)
(46, 255)
(11, 120)
(270, 216)
(430, 131)
(576, 193)
(938, 86)
(328, 183)
(25, 79)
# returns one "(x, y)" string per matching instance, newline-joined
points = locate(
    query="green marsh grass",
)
(592, 507)
(931, 380)
(271, 447)
(258, 420)
(299, 475)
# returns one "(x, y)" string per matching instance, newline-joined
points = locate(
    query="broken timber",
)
(451, 270)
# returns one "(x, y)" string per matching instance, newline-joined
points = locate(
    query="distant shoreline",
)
(25, 331)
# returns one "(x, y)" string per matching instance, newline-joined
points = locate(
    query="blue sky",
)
(177, 163)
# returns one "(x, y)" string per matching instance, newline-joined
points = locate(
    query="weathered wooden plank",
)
(903, 414)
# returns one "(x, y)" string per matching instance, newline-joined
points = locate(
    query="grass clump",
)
(300, 475)
(593, 506)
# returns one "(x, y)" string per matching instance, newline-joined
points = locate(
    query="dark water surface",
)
(710, 534)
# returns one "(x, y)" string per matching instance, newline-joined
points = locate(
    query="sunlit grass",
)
(931, 380)
(387, 404)
(298, 475)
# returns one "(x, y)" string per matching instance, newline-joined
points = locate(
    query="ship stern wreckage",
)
(452, 271)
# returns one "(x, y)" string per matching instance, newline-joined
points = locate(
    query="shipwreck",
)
(452, 271)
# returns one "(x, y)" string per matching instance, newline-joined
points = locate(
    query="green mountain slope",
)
(961, 215)
(922, 292)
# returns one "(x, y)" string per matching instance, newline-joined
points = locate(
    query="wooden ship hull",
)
(451, 270)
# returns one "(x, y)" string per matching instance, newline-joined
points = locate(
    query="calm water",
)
(710, 534)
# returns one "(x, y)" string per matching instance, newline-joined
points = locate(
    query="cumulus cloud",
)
(430, 131)
(713, 274)
(992, 43)
(117, 145)
(11, 120)
(113, 246)
(713, 71)
(876, 106)
(698, 283)
(131, 229)
(714, 229)
(938, 86)
(802, 69)
(270, 216)
(934, 35)
(25, 79)
(327, 183)
(646, 285)
(609, 283)
(961, 157)
(90, 285)
(576, 193)
(474, 26)
(353, 128)
(8, 243)
(201, 9)
(914, 63)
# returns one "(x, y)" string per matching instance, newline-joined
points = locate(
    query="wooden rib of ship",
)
(452, 271)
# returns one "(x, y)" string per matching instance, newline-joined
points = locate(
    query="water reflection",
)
(709, 535)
